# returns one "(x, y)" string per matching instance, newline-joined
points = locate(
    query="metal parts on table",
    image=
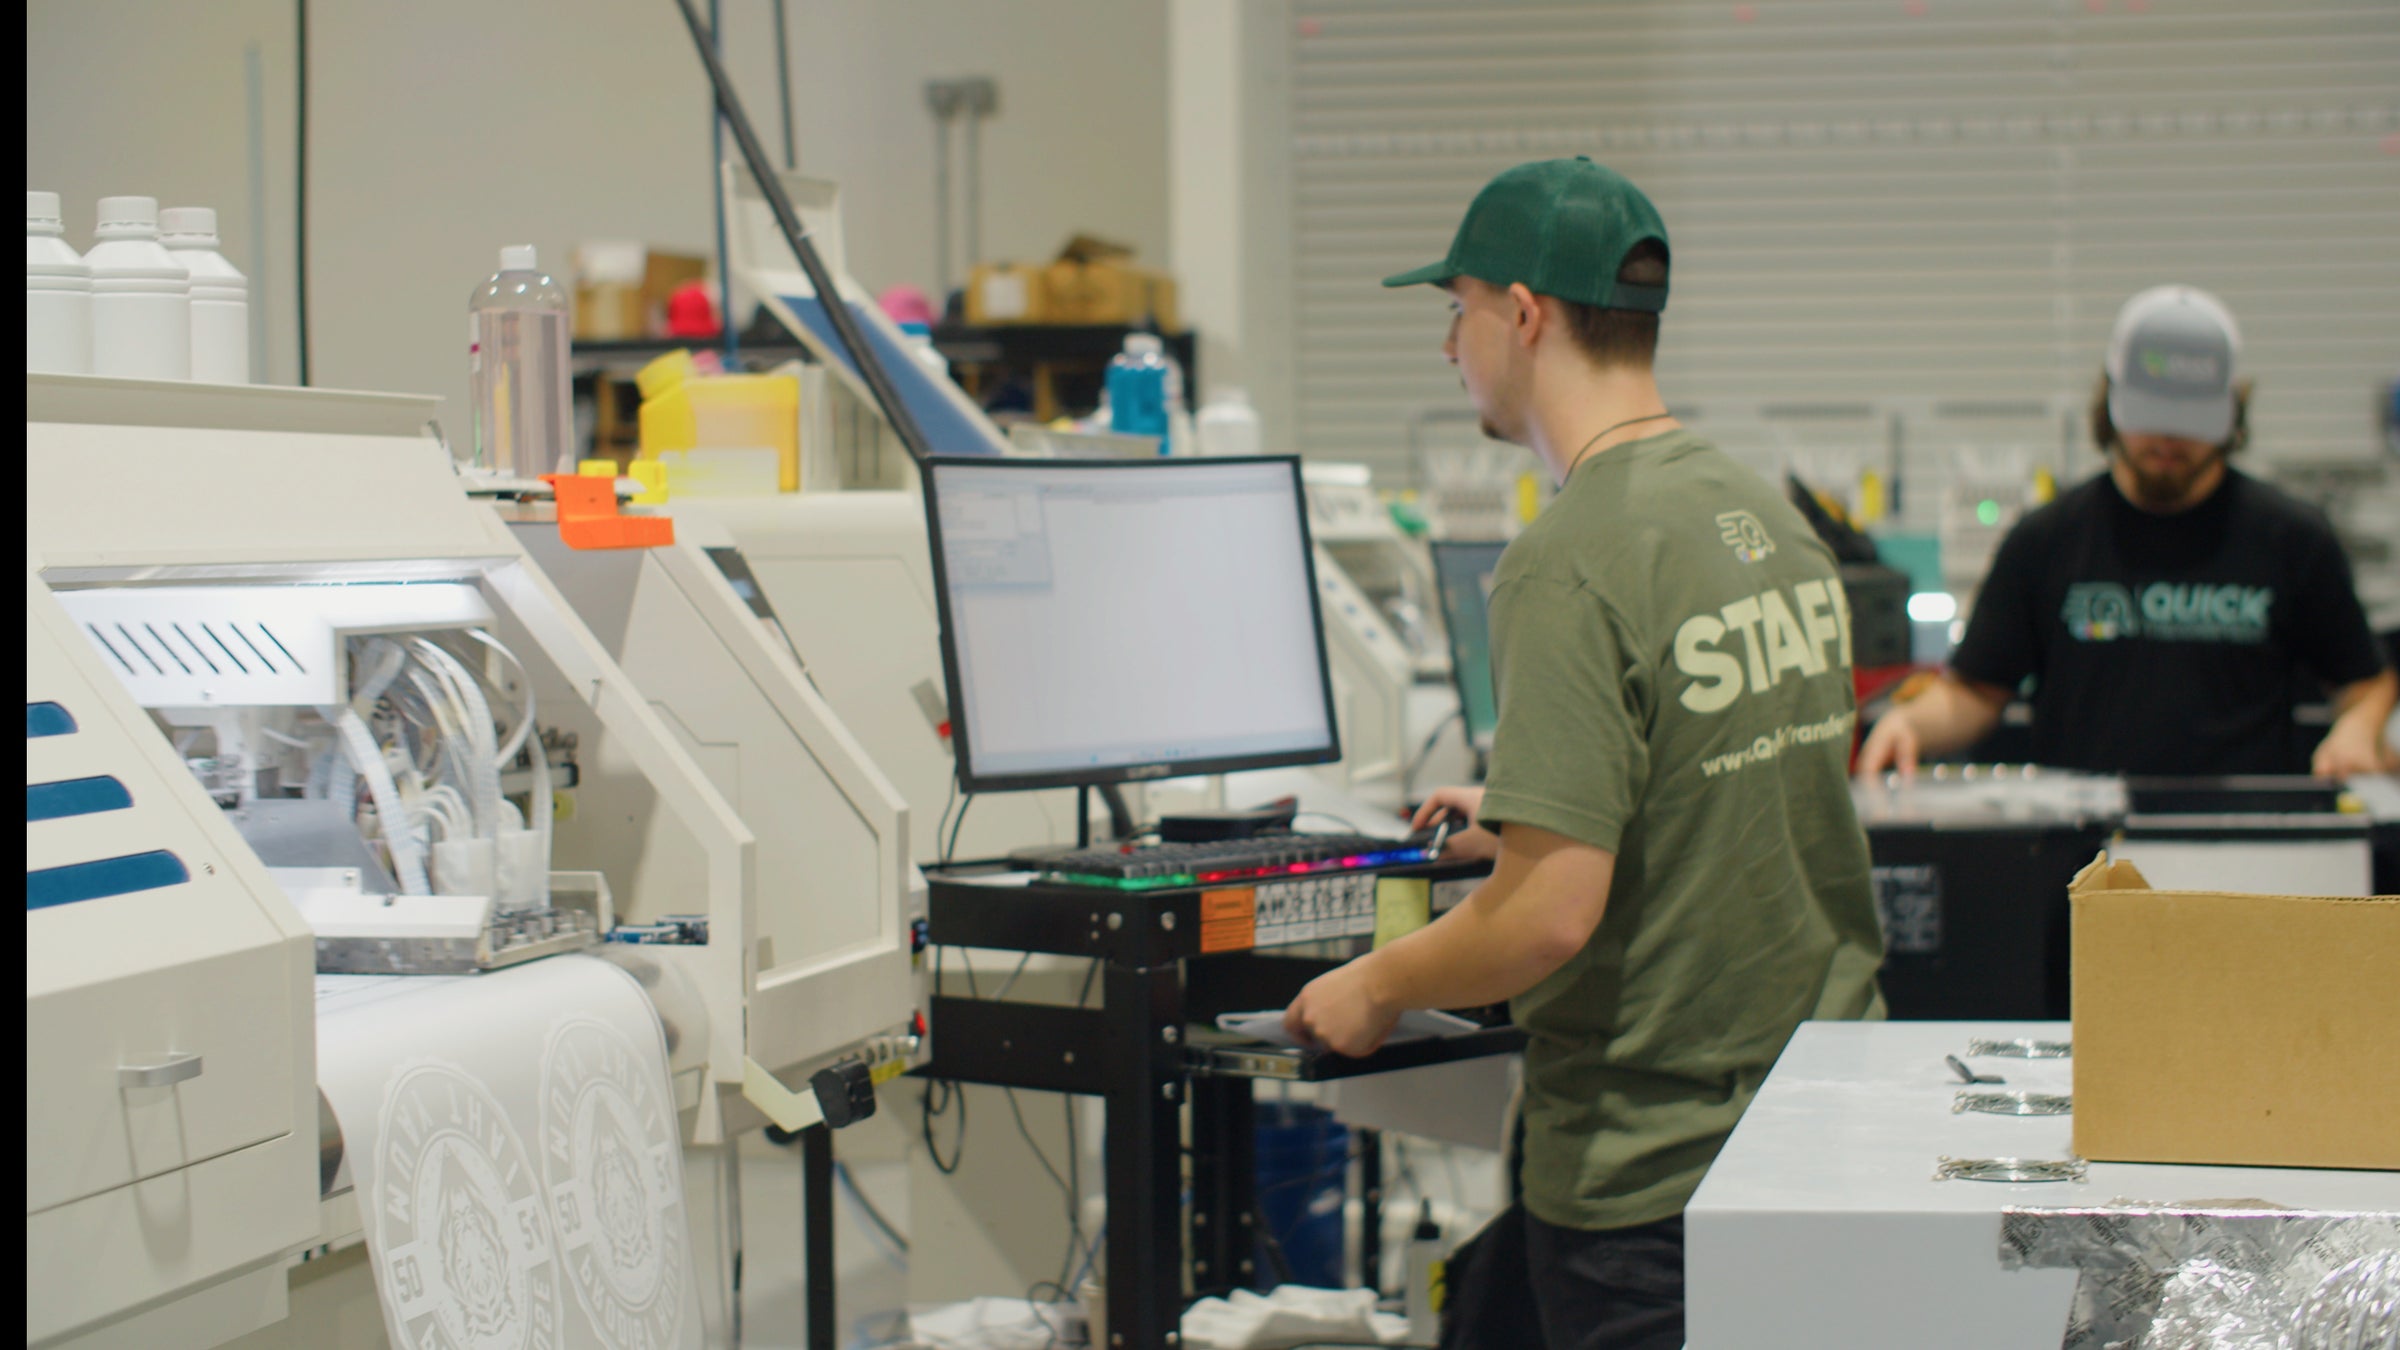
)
(2012, 1103)
(1969, 1076)
(2021, 1049)
(2010, 1169)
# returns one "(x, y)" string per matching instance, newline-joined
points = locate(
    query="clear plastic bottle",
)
(1181, 439)
(58, 293)
(141, 296)
(220, 295)
(524, 419)
(1425, 1291)
(1228, 424)
(1140, 389)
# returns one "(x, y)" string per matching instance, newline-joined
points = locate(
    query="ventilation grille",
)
(253, 646)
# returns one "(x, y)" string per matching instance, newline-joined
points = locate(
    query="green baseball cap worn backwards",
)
(1561, 226)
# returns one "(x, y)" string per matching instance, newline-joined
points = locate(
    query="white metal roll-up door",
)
(1874, 203)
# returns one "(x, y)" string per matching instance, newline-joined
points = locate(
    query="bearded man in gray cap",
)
(2171, 610)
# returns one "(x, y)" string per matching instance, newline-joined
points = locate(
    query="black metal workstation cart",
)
(1168, 961)
(1116, 622)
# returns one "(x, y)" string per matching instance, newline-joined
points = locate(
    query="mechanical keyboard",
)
(1147, 866)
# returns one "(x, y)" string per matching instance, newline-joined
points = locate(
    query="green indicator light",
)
(1120, 883)
(1988, 511)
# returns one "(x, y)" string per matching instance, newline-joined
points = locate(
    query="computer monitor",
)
(1463, 571)
(1106, 621)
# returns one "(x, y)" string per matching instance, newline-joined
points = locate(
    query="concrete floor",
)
(872, 1275)
(976, 1233)
(1466, 1185)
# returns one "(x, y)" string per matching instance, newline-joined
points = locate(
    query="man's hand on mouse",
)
(1467, 841)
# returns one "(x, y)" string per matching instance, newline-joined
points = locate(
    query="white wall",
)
(1229, 196)
(92, 130)
(441, 129)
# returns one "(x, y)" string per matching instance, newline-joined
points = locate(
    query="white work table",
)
(1820, 1227)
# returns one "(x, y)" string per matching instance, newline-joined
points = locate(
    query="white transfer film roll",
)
(513, 1148)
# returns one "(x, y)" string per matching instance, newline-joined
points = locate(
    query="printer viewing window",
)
(1115, 620)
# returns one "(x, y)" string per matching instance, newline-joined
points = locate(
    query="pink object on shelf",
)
(907, 304)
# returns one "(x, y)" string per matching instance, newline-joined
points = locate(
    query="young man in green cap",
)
(1678, 878)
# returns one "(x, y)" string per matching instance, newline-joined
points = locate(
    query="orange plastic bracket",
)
(587, 515)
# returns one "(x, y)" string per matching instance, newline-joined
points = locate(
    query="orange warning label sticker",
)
(1228, 920)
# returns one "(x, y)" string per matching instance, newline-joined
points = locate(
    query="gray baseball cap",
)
(2171, 361)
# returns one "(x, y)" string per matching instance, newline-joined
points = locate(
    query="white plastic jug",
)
(58, 293)
(141, 296)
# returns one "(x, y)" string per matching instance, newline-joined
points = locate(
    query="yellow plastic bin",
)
(684, 410)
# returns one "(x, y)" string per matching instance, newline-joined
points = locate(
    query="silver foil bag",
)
(2216, 1275)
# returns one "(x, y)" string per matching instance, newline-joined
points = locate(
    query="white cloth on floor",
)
(996, 1324)
(1291, 1315)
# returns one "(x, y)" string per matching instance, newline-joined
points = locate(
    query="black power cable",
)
(949, 1092)
(957, 823)
(841, 1172)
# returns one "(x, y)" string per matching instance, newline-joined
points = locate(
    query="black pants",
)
(1618, 1289)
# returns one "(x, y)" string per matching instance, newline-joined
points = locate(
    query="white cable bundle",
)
(366, 760)
(448, 809)
(524, 845)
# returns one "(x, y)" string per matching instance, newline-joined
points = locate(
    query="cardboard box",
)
(621, 288)
(1008, 293)
(1092, 281)
(2213, 1027)
(662, 275)
(1109, 292)
(608, 290)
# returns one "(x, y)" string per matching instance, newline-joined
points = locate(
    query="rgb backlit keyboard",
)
(1261, 857)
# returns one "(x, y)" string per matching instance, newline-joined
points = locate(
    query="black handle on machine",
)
(837, 310)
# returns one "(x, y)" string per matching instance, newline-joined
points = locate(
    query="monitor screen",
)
(1114, 620)
(1464, 572)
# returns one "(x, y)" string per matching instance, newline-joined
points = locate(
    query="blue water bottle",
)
(1137, 389)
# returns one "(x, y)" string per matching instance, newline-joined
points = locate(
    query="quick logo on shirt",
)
(2105, 611)
(1805, 630)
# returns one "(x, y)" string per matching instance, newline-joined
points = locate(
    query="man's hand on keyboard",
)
(1339, 1011)
(1467, 842)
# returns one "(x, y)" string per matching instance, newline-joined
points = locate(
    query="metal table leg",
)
(816, 1228)
(1370, 1210)
(729, 1218)
(1224, 1177)
(1144, 1143)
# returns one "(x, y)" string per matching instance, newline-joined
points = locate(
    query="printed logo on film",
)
(615, 1195)
(463, 1245)
(1743, 533)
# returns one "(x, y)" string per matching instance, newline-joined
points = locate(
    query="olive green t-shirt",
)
(1671, 648)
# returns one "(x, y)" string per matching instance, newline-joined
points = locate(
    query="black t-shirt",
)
(2169, 644)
